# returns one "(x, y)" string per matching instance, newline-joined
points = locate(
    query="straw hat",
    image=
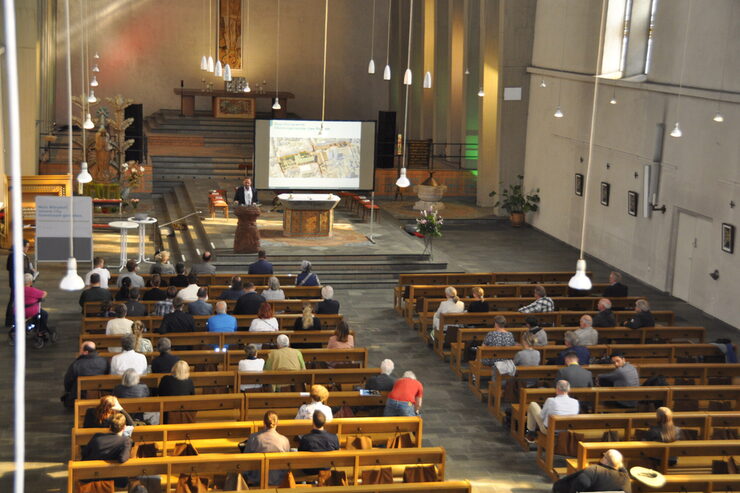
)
(648, 477)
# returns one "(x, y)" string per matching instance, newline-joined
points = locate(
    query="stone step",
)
(226, 255)
(332, 268)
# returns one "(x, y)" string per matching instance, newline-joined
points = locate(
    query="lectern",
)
(308, 214)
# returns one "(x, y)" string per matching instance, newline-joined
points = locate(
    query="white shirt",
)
(306, 411)
(277, 294)
(253, 365)
(587, 336)
(189, 293)
(447, 306)
(136, 280)
(117, 327)
(264, 325)
(560, 405)
(128, 359)
(104, 276)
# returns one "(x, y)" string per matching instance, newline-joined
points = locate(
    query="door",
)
(691, 269)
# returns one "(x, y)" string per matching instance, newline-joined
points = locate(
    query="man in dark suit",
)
(87, 364)
(605, 317)
(134, 308)
(166, 360)
(318, 440)
(261, 266)
(642, 318)
(180, 280)
(94, 292)
(575, 374)
(616, 289)
(246, 194)
(328, 305)
(111, 446)
(249, 303)
(177, 321)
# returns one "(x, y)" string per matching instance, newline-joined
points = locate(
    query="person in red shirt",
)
(32, 298)
(405, 398)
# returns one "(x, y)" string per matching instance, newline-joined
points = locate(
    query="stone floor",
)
(477, 448)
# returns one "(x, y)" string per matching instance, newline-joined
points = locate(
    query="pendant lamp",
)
(84, 176)
(227, 73)
(219, 71)
(427, 80)
(91, 98)
(88, 125)
(371, 67)
(276, 104)
(211, 67)
(94, 82)
(580, 280)
(403, 181)
(204, 63)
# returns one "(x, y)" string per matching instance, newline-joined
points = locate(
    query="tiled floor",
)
(477, 448)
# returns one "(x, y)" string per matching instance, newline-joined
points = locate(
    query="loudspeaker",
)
(386, 139)
(136, 152)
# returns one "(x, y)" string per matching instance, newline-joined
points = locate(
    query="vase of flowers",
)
(429, 225)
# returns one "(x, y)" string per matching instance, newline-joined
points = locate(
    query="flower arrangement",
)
(429, 223)
(131, 173)
(134, 203)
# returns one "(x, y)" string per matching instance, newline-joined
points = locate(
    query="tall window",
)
(628, 37)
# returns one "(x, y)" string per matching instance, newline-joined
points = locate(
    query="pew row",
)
(215, 290)
(222, 278)
(92, 308)
(695, 483)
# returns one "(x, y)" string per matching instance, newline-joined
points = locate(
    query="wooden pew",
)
(675, 373)
(353, 461)
(233, 380)
(92, 308)
(96, 325)
(636, 353)
(601, 399)
(698, 483)
(225, 437)
(438, 487)
(223, 278)
(626, 424)
(214, 291)
(556, 335)
(286, 404)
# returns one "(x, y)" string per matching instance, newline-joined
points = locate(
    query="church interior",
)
(486, 193)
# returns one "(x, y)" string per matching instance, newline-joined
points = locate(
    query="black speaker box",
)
(136, 152)
(386, 139)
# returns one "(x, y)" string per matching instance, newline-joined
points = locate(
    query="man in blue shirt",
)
(261, 266)
(221, 321)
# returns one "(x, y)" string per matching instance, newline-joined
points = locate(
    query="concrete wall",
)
(148, 46)
(701, 170)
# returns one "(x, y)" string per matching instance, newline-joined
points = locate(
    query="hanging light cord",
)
(277, 52)
(408, 65)
(372, 35)
(466, 41)
(388, 41)
(83, 72)
(323, 88)
(482, 29)
(592, 129)
(71, 134)
(683, 64)
(562, 50)
(727, 49)
(246, 40)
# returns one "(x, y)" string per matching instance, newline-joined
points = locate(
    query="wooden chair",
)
(217, 200)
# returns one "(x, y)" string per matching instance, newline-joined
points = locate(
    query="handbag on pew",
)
(332, 477)
(420, 474)
(104, 486)
(562, 443)
(358, 442)
(384, 475)
(232, 481)
(184, 449)
(153, 484)
(728, 466)
(401, 440)
(471, 350)
(288, 481)
(191, 483)
(141, 450)
(610, 436)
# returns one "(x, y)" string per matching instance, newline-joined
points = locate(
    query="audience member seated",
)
(165, 306)
(273, 291)
(306, 277)
(573, 373)
(100, 415)
(451, 305)
(178, 382)
(318, 440)
(206, 266)
(405, 397)
(222, 321)
(189, 293)
(166, 360)
(266, 441)
(32, 300)
(178, 320)
(142, 344)
(328, 305)
(130, 386)
(499, 336)
(162, 264)
(89, 363)
(560, 405)
(605, 317)
(608, 475)
(235, 291)
(341, 339)
(201, 305)
(587, 335)
(664, 431)
(540, 336)
(155, 293)
(249, 303)
(133, 307)
(308, 321)
(101, 271)
(261, 266)
(136, 280)
(616, 289)
(573, 345)
(124, 290)
(625, 375)
(251, 363)
(284, 358)
(180, 280)
(642, 318)
(118, 326)
(265, 321)
(383, 382)
(319, 395)
(541, 304)
(128, 358)
(113, 446)
(527, 356)
(107, 310)
(480, 305)
(95, 292)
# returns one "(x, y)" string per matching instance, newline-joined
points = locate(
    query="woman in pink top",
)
(341, 339)
(32, 299)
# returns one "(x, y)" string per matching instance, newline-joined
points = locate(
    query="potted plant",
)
(516, 203)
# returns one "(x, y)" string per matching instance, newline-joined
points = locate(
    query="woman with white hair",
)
(162, 264)
(306, 277)
(130, 386)
(383, 382)
(405, 398)
(451, 305)
(328, 305)
(273, 291)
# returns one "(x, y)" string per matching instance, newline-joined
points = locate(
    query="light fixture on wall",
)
(676, 132)
(387, 69)
(403, 181)
(427, 80)
(276, 104)
(580, 280)
(371, 64)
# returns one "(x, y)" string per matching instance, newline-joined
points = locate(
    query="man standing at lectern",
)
(246, 194)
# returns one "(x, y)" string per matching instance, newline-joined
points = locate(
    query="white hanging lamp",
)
(371, 64)
(613, 99)
(219, 71)
(204, 63)
(427, 81)
(211, 66)
(246, 87)
(403, 181)
(543, 83)
(91, 98)
(718, 117)
(84, 176)
(72, 280)
(96, 56)
(580, 280)
(371, 67)
(276, 104)
(94, 82)
(95, 68)
(387, 72)
(481, 93)
(387, 69)
(558, 112)
(88, 125)
(227, 73)
(676, 132)
(407, 77)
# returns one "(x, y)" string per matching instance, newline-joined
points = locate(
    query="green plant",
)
(429, 223)
(514, 199)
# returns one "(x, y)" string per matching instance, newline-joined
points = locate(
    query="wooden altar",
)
(308, 214)
(227, 104)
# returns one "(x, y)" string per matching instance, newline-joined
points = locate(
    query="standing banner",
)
(52, 228)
